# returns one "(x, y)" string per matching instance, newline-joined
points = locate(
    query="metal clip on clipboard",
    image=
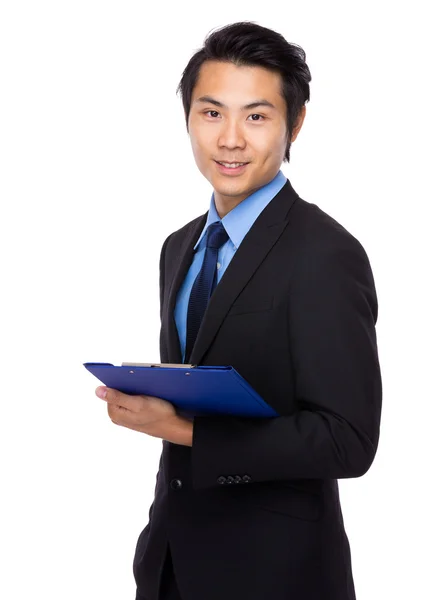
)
(178, 366)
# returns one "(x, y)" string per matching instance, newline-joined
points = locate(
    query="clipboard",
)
(194, 390)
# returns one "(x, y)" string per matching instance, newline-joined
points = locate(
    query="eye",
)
(253, 115)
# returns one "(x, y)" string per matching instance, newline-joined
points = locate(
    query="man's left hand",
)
(148, 414)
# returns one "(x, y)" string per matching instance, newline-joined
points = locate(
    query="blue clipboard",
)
(193, 390)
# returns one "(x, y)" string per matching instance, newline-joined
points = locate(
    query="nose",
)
(231, 135)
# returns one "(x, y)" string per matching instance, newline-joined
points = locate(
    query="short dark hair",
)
(247, 44)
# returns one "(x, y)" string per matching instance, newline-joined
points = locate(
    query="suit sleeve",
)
(334, 431)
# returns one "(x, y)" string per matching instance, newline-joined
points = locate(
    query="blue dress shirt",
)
(237, 224)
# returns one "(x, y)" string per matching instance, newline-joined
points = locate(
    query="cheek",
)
(201, 141)
(275, 149)
(197, 149)
(202, 153)
(268, 142)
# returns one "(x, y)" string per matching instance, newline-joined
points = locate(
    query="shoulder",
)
(327, 254)
(318, 233)
(175, 240)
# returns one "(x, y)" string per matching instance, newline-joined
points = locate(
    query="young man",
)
(245, 508)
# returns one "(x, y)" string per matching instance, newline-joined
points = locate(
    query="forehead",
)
(236, 86)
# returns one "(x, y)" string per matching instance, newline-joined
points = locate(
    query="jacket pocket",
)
(284, 499)
(242, 307)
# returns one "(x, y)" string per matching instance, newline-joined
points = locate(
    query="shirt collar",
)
(240, 219)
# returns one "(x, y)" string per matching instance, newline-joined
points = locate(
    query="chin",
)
(230, 190)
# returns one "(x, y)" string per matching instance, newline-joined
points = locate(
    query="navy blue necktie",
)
(204, 284)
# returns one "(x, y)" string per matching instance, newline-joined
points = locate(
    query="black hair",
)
(247, 44)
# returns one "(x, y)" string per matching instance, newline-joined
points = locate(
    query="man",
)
(245, 508)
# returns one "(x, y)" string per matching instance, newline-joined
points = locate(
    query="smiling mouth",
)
(231, 165)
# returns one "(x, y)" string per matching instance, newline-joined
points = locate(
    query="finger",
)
(125, 418)
(117, 398)
(118, 414)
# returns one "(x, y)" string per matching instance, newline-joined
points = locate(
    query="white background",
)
(97, 170)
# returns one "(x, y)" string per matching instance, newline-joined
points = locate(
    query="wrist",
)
(179, 430)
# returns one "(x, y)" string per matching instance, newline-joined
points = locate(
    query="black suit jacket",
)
(251, 511)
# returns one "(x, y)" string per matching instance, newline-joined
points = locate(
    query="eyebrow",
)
(255, 104)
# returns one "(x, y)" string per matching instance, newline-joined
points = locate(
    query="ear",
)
(299, 123)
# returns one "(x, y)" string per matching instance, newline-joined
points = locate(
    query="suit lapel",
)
(253, 250)
(185, 254)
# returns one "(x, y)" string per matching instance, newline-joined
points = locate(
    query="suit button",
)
(221, 479)
(246, 478)
(176, 484)
(237, 479)
(230, 479)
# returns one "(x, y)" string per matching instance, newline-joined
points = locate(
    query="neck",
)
(224, 204)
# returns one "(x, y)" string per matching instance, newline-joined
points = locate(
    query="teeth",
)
(231, 166)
